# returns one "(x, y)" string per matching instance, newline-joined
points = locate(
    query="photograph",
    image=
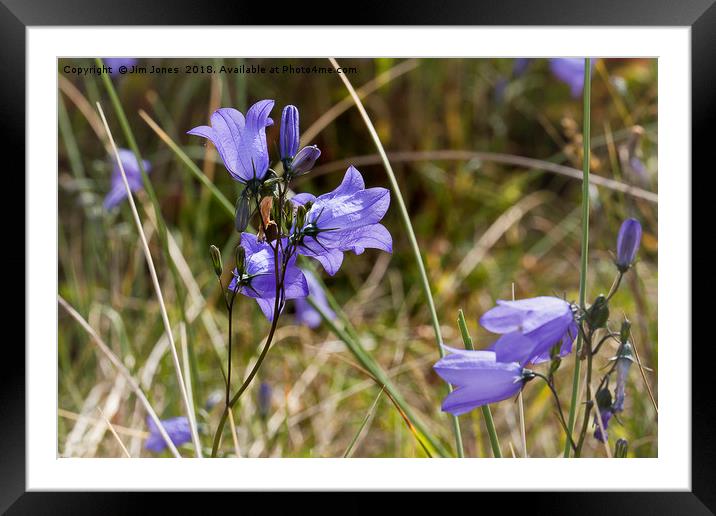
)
(357, 257)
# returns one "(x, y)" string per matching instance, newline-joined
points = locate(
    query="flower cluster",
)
(544, 329)
(323, 227)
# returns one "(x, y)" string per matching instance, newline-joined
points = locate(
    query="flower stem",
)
(585, 238)
(425, 283)
(486, 413)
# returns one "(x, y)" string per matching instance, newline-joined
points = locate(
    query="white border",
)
(670, 471)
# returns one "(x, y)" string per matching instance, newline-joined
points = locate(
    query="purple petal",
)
(375, 236)
(303, 198)
(252, 150)
(352, 183)
(513, 347)
(116, 195)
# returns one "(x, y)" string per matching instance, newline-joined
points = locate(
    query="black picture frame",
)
(17, 15)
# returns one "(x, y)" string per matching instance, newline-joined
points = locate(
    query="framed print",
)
(366, 258)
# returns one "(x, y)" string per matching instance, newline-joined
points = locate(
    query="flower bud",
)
(289, 132)
(240, 260)
(216, 260)
(598, 313)
(620, 449)
(300, 217)
(603, 398)
(304, 160)
(625, 330)
(243, 213)
(628, 244)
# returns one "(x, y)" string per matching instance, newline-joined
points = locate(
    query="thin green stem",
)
(486, 412)
(586, 116)
(405, 216)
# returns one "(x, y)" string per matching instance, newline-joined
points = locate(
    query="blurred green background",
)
(483, 221)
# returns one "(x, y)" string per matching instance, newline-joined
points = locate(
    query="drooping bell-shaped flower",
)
(177, 428)
(118, 191)
(628, 241)
(305, 313)
(479, 379)
(345, 219)
(530, 328)
(241, 141)
(258, 280)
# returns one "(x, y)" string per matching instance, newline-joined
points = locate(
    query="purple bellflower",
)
(305, 313)
(530, 328)
(115, 62)
(296, 161)
(259, 279)
(479, 379)
(176, 427)
(118, 192)
(628, 242)
(241, 142)
(571, 72)
(345, 219)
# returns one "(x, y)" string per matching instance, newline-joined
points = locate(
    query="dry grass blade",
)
(123, 370)
(368, 417)
(157, 289)
(114, 433)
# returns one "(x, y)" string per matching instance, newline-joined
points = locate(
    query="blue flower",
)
(305, 313)
(241, 142)
(628, 241)
(115, 62)
(479, 379)
(118, 192)
(345, 219)
(571, 72)
(258, 281)
(176, 427)
(530, 328)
